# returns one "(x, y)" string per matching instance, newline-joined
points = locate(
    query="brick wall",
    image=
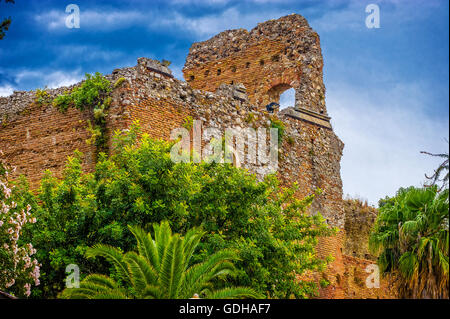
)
(354, 281)
(42, 138)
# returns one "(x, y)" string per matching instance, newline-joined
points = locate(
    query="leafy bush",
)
(161, 270)
(140, 185)
(63, 101)
(92, 92)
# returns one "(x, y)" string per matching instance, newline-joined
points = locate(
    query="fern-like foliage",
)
(160, 269)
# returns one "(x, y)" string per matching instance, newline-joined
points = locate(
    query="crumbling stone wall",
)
(271, 58)
(34, 137)
(359, 219)
(255, 68)
(354, 285)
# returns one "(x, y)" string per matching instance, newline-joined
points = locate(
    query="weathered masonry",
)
(230, 80)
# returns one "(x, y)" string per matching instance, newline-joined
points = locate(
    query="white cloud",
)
(209, 25)
(6, 90)
(52, 80)
(99, 20)
(383, 135)
(58, 79)
(203, 2)
(88, 53)
(203, 26)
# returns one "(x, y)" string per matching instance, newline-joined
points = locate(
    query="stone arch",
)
(275, 92)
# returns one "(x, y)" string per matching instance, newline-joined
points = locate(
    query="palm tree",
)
(411, 234)
(161, 270)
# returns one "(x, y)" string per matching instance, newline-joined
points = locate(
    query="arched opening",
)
(282, 95)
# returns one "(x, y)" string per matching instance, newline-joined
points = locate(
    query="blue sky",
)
(387, 88)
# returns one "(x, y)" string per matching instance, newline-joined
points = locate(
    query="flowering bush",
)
(18, 270)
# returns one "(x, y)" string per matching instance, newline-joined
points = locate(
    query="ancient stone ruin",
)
(231, 79)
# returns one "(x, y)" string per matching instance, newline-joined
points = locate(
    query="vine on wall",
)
(94, 93)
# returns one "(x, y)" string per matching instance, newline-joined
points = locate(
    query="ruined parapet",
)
(359, 262)
(359, 220)
(271, 58)
(37, 136)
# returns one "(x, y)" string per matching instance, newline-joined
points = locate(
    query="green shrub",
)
(92, 92)
(63, 101)
(140, 185)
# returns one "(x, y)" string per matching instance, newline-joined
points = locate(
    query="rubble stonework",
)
(274, 56)
(229, 80)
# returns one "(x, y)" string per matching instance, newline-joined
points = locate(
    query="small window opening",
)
(261, 62)
(247, 65)
(192, 78)
(233, 68)
(219, 71)
(206, 72)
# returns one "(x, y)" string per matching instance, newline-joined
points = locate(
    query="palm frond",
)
(146, 246)
(113, 255)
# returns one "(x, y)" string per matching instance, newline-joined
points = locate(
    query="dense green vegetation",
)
(161, 270)
(274, 238)
(411, 235)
